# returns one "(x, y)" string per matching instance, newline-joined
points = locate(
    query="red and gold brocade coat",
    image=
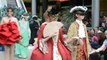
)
(76, 50)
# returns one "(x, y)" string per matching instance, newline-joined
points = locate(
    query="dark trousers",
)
(95, 56)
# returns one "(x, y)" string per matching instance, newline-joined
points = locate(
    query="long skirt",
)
(38, 55)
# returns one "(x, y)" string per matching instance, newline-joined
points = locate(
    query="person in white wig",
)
(77, 41)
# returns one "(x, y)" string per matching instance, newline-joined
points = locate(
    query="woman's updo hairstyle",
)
(55, 10)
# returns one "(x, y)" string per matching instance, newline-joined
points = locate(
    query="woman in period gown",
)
(50, 41)
(21, 48)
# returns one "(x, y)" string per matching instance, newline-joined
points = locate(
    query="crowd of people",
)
(98, 43)
(51, 43)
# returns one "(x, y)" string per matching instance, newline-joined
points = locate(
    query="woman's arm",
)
(47, 38)
(102, 48)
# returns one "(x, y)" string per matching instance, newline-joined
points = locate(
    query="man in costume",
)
(78, 42)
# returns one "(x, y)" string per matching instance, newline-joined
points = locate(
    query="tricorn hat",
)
(78, 9)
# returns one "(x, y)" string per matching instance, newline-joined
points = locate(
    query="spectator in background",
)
(105, 18)
(21, 48)
(103, 47)
(103, 23)
(95, 40)
(34, 27)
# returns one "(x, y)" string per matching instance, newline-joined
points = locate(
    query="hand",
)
(81, 41)
(92, 51)
(65, 43)
(75, 41)
(35, 41)
(49, 8)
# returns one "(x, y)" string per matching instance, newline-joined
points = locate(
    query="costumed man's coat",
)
(73, 32)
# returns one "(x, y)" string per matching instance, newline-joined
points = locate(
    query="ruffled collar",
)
(78, 21)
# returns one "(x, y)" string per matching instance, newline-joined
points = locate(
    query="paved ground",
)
(30, 51)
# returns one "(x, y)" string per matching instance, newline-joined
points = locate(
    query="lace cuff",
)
(43, 46)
